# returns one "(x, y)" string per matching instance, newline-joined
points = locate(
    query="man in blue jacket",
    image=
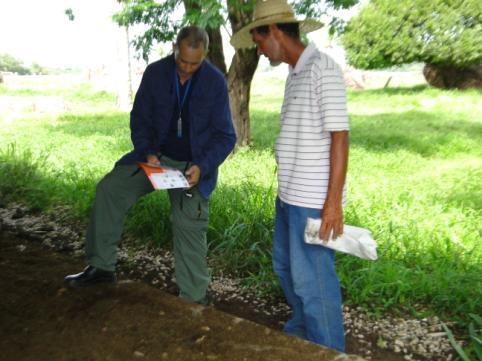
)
(180, 118)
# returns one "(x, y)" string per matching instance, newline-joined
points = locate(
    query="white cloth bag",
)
(354, 240)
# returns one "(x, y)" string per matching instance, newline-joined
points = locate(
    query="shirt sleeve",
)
(142, 129)
(331, 94)
(223, 135)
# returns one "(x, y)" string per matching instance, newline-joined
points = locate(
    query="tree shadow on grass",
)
(417, 132)
(109, 129)
(389, 91)
(265, 128)
(423, 133)
(86, 125)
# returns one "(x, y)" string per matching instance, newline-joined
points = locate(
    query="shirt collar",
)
(305, 55)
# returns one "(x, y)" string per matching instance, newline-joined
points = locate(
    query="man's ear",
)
(174, 48)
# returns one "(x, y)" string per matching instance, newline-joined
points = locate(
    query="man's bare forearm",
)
(332, 212)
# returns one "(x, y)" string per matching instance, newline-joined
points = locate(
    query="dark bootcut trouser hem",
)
(117, 192)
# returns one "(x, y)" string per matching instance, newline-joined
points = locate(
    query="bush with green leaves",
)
(10, 64)
(440, 32)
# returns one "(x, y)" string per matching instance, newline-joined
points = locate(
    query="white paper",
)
(354, 240)
(170, 178)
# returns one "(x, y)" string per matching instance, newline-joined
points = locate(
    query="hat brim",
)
(242, 38)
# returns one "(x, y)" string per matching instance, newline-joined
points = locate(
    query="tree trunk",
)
(242, 67)
(241, 72)
(447, 77)
(129, 66)
(216, 51)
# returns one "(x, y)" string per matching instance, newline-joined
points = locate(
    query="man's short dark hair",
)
(290, 29)
(195, 37)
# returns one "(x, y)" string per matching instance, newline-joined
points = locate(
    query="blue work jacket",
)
(212, 133)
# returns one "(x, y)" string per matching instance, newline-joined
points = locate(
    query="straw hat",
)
(271, 12)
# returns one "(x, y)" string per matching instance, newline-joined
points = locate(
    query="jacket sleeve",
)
(141, 124)
(223, 136)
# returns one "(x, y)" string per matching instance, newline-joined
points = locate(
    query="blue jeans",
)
(308, 278)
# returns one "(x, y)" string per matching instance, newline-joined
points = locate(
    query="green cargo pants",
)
(118, 191)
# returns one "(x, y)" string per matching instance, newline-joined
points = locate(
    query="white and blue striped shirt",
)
(314, 105)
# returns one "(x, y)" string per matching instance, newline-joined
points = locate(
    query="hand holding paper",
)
(164, 177)
(193, 174)
(354, 240)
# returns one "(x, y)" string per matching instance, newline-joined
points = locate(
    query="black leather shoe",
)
(89, 277)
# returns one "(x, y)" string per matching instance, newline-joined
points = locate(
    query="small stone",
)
(21, 247)
(437, 334)
(138, 354)
(197, 311)
(61, 291)
(237, 320)
(200, 339)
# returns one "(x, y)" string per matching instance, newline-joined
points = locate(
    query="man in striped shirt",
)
(312, 156)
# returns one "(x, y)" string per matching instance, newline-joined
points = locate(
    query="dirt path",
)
(41, 320)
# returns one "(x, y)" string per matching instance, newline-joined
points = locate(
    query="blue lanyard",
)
(180, 102)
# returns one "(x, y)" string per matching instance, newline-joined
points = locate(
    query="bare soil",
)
(42, 320)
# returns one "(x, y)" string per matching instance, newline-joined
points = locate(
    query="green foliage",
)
(39, 70)
(20, 176)
(70, 14)
(205, 13)
(10, 64)
(158, 16)
(441, 32)
(316, 8)
(473, 350)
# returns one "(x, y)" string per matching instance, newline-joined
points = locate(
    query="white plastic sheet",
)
(354, 240)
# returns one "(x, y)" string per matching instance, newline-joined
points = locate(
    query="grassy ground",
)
(414, 180)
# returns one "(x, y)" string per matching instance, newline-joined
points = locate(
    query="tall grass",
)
(414, 180)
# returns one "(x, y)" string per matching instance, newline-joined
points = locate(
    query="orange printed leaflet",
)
(164, 177)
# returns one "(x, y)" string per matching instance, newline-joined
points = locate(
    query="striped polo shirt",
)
(314, 105)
